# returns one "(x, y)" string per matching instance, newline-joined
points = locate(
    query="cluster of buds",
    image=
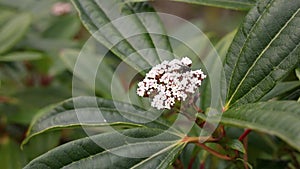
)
(169, 82)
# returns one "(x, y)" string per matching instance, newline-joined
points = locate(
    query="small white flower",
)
(169, 82)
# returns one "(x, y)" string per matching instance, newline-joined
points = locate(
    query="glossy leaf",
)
(229, 4)
(91, 111)
(140, 36)
(114, 150)
(20, 56)
(279, 118)
(13, 31)
(264, 51)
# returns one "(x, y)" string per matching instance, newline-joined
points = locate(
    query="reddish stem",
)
(192, 161)
(213, 152)
(245, 142)
(246, 132)
(202, 165)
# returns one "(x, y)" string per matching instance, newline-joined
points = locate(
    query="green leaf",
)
(35, 148)
(21, 56)
(221, 48)
(274, 164)
(92, 111)
(89, 66)
(5, 15)
(27, 102)
(279, 118)
(280, 89)
(140, 36)
(11, 155)
(298, 73)
(115, 150)
(264, 51)
(49, 45)
(13, 31)
(229, 4)
(235, 145)
(64, 27)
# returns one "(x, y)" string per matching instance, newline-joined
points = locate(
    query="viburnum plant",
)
(254, 121)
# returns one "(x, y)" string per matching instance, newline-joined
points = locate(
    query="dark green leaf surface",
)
(13, 31)
(133, 148)
(138, 36)
(279, 118)
(229, 4)
(91, 111)
(264, 51)
(280, 89)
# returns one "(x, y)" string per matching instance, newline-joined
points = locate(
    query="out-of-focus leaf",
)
(21, 56)
(64, 27)
(264, 51)
(235, 145)
(221, 48)
(48, 45)
(13, 31)
(93, 71)
(11, 155)
(5, 15)
(261, 163)
(133, 148)
(28, 102)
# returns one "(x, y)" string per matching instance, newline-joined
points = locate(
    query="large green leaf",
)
(229, 4)
(13, 31)
(265, 49)
(92, 111)
(279, 118)
(140, 36)
(133, 148)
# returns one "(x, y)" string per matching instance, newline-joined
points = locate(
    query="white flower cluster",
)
(169, 82)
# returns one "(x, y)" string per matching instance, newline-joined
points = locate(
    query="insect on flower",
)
(169, 82)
